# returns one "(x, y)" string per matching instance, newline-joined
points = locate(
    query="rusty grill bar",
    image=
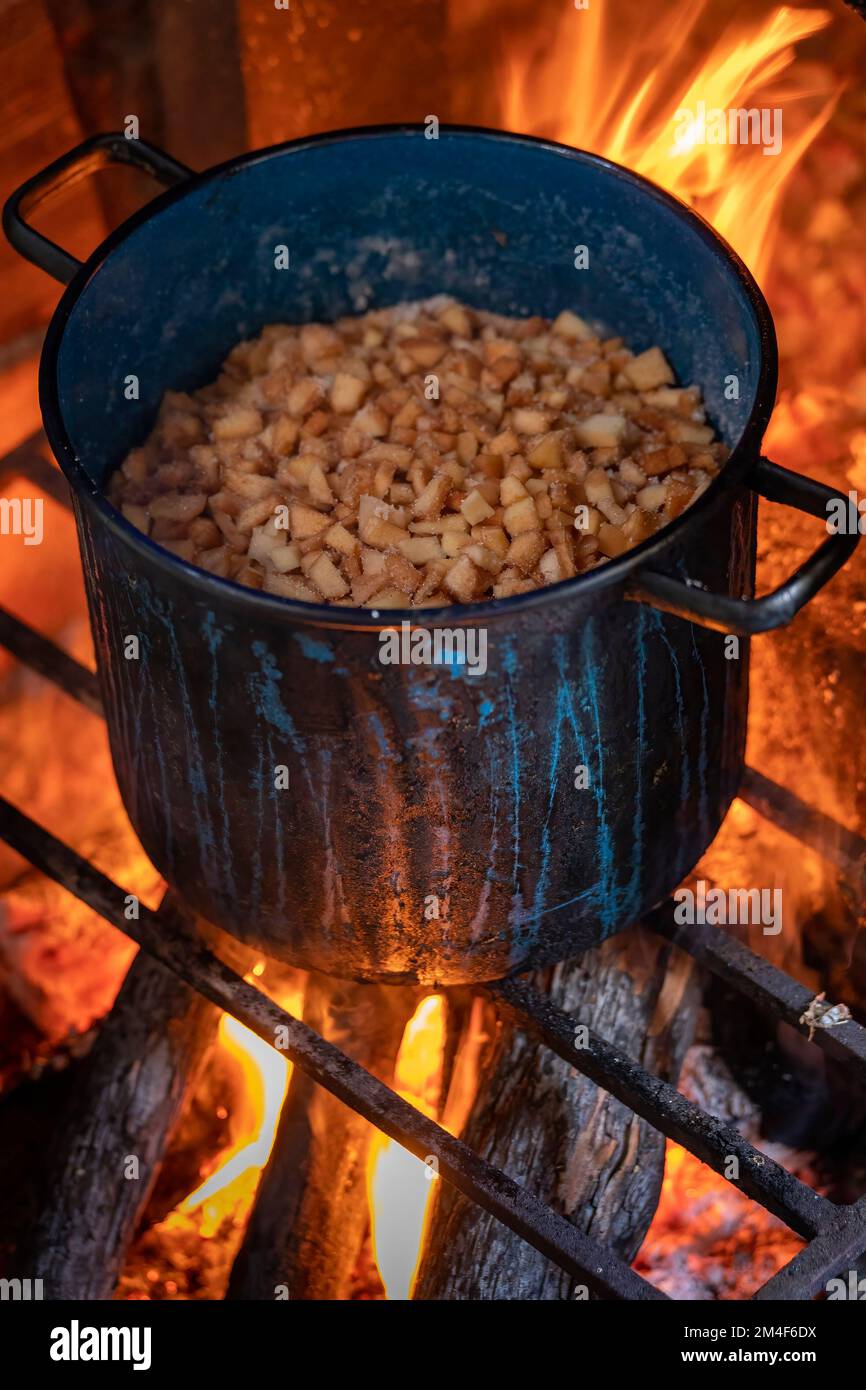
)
(836, 1234)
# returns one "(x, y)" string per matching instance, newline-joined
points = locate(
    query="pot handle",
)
(96, 153)
(744, 616)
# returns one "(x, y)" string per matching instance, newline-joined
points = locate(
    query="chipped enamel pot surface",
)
(432, 823)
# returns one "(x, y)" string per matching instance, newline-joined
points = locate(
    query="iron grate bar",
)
(50, 661)
(774, 991)
(29, 460)
(841, 1244)
(707, 1137)
(834, 841)
(538, 1224)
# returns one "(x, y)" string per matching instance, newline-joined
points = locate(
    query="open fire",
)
(792, 205)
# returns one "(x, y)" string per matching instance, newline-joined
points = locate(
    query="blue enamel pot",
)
(437, 824)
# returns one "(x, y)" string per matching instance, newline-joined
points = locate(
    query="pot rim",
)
(613, 573)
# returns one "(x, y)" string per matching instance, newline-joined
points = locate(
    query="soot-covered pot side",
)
(431, 824)
(398, 822)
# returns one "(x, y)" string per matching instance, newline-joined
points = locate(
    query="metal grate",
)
(836, 1235)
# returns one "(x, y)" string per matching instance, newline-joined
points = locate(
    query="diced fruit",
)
(347, 393)
(285, 557)
(600, 431)
(547, 453)
(611, 540)
(549, 567)
(305, 521)
(462, 580)
(651, 497)
(455, 541)
(432, 499)
(288, 586)
(338, 538)
(327, 578)
(420, 549)
(597, 486)
(237, 423)
(520, 516)
(570, 325)
(685, 432)
(648, 370)
(475, 509)
(525, 551)
(511, 489)
(528, 421)
(320, 466)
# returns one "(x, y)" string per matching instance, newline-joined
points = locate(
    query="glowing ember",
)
(709, 1241)
(704, 127)
(399, 1184)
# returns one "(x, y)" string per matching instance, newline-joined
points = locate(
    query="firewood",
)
(573, 1145)
(110, 1140)
(311, 1215)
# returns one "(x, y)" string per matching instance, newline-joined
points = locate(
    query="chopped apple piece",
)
(238, 422)
(511, 489)
(686, 432)
(462, 580)
(402, 573)
(600, 431)
(285, 557)
(347, 393)
(475, 508)
(420, 549)
(525, 551)
(319, 490)
(338, 538)
(547, 453)
(611, 540)
(305, 521)
(288, 586)
(455, 541)
(549, 567)
(648, 370)
(528, 421)
(327, 578)
(570, 325)
(304, 396)
(432, 499)
(520, 516)
(651, 497)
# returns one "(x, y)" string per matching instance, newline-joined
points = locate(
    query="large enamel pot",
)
(416, 790)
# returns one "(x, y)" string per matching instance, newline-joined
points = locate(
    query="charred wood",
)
(554, 1131)
(310, 1218)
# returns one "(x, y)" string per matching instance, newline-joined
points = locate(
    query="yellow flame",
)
(626, 96)
(400, 1185)
(229, 1190)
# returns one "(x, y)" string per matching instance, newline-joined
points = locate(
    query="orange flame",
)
(229, 1190)
(399, 1185)
(636, 99)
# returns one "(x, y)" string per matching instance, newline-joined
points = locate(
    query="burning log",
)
(311, 1216)
(578, 1148)
(112, 1136)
